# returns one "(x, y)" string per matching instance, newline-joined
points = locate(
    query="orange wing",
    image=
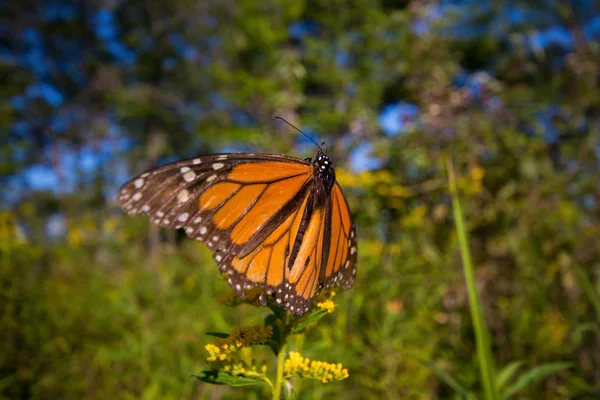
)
(231, 202)
(326, 257)
(340, 268)
(293, 285)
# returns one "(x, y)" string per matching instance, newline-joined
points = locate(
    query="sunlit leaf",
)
(312, 317)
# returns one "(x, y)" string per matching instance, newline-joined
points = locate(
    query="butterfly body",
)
(273, 221)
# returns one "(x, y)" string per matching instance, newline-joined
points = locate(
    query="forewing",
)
(228, 201)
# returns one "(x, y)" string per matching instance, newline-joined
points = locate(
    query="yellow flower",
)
(301, 367)
(213, 351)
(327, 305)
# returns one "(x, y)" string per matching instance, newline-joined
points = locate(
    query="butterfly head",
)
(324, 169)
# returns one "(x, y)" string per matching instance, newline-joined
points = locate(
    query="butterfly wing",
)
(262, 216)
(227, 201)
(340, 266)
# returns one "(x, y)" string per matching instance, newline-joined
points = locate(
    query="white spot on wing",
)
(203, 230)
(183, 196)
(138, 183)
(160, 214)
(183, 217)
(137, 196)
(211, 178)
(353, 250)
(189, 175)
(218, 165)
(197, 220)
(145, 208)
(196, 161)
(183, 170)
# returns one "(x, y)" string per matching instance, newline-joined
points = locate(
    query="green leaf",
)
(313, 317)
(221, 335)
(222, 378)
(507, 373)
(445, 377)
(534, 375)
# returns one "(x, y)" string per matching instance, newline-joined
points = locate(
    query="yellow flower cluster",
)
(364, 179)
(245, 337)
(216, 353)
(301, 367)
(327, 304)
(473, 182)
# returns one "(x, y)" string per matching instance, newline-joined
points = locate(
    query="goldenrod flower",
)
(327, 305)
(301, 367)
(214, 351)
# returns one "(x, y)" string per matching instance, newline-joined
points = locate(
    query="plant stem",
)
(484, 351)
(280, 359)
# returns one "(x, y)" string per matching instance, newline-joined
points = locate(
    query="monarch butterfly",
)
(273, 221)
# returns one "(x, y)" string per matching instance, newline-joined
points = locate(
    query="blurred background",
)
(95, 304)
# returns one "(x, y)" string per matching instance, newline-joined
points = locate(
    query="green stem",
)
(484, 351)
(280, 360)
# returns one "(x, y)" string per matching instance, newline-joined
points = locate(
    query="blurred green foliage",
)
(115, 308)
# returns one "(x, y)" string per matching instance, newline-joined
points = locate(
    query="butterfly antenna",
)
(311, 139)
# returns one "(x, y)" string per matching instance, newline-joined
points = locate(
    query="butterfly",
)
(275, 222)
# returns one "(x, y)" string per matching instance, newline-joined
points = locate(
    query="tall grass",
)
(507, 382)
(484, 350)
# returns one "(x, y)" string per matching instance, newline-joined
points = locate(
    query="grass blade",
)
(535, 374)
(507, 373)
(484, 351)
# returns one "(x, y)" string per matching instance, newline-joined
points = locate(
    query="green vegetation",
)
(479, 284)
